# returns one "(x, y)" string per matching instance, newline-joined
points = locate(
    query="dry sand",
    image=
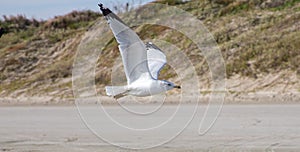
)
(238, 128)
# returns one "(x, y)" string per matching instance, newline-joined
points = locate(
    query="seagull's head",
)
(168, 85)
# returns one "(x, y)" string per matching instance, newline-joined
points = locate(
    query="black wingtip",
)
(105, 11)
(1, 31)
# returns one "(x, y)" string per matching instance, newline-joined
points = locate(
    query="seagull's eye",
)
(169, 84)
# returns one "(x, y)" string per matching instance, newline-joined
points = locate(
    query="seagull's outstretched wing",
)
(156, 59)
(132, 48)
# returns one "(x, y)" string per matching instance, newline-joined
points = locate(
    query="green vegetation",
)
(28, 45)
(171, 2)
(286, 4)
(73, 20)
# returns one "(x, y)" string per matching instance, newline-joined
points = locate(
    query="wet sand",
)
(238, 128)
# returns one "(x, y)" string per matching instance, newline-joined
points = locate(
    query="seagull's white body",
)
(145, 87)
(142, 62)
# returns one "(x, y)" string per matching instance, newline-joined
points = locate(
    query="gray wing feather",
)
(156, 59)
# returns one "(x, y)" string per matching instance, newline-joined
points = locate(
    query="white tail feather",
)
(115, 90)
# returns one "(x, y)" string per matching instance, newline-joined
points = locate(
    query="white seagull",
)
(142, 62)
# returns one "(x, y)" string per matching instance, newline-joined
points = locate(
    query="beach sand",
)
(238, 128)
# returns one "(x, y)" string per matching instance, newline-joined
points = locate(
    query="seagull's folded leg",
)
(118, 96)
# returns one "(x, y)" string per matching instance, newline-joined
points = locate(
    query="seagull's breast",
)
(145, 88)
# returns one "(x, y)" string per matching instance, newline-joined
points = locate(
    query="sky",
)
(45, 9)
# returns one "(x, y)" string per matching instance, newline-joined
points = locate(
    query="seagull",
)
(142, 62)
